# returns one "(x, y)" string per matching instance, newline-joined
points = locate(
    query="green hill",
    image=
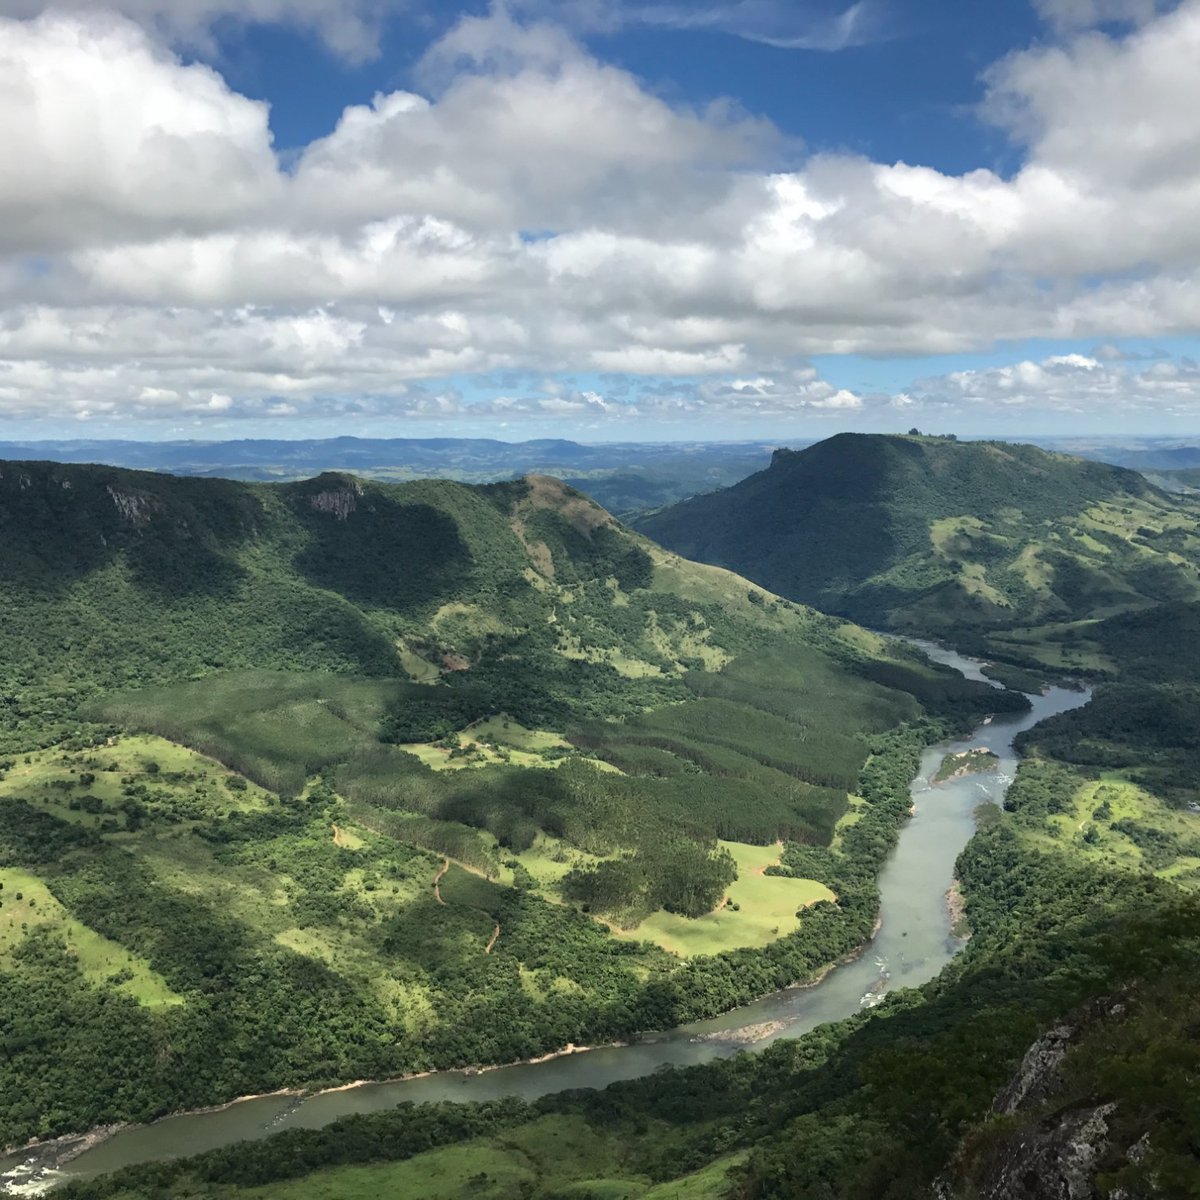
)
(936, 535)
(329, 780)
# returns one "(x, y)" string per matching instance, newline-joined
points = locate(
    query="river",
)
(913, 943)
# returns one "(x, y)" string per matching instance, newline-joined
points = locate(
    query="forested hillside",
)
(946, 537)
(1055, 1056)
(311, 782)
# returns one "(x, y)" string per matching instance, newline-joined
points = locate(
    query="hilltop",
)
(936, 535)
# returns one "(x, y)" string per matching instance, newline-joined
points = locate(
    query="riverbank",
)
(45, 1158)
(913, 939)
(43, 1161)
(956, 906)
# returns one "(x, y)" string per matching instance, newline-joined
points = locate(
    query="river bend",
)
(913, 943)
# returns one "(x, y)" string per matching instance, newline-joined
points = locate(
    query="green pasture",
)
(767, 908)
(54, 779)
(1157, 837)
(559, 1156)
(27, 905)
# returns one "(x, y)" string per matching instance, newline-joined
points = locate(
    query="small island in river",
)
(966, 762)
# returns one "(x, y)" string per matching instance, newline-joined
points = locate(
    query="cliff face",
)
(1043, 1142)
(1054, 1159)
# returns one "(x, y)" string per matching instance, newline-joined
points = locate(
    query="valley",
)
(913, 942)
(311, 783)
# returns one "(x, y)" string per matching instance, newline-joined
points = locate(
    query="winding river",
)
(912, 945)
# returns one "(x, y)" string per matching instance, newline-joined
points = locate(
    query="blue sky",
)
(601, 219)
(908, 91)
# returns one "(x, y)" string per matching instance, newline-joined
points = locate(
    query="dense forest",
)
(334, 780)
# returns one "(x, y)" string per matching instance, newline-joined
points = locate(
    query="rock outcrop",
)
(340, 502)
(1058, 1144)
(1038, 1076)
(1054, 1159)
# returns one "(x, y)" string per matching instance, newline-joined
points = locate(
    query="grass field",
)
(767, 904)
(549, 859)
(495, 740)
(26, 905)
(557, 1156)
(767, 907)
(1099, 805)
(50, 778)
(1058, 647)
(418, 669)
(853, 814)
(711, 1183)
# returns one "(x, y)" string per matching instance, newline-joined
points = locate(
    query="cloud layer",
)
(533, 209)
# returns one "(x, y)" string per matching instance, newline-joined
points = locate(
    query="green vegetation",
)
(965, 762)
(1017, 679)
(944, 537)
(308, 945)
(221, 703)
(680, 876)
(312, 902)
(879, 1105)
(760, 908)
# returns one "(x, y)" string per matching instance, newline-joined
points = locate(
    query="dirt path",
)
(437, 895)
(778, 848)
(339, 837)
(437, 881)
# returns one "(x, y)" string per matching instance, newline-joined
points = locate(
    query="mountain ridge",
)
(929, 534)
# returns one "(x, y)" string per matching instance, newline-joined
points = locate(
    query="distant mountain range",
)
(1141, 454)
(624, 477)
(621, 476)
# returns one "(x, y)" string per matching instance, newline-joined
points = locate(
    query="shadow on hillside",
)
(59, 524)
(384, 553)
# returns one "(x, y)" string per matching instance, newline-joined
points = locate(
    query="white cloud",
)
(106, 137)
(779, 395)
(537, 210)
(1074, 385)
(786, 25)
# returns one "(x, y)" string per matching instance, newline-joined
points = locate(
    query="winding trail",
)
(437, 895)
(437, 881)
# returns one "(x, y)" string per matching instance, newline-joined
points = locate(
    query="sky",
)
(599, 219)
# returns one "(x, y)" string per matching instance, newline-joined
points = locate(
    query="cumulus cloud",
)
(106, 137)
(532, 209)
(1076, 385)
